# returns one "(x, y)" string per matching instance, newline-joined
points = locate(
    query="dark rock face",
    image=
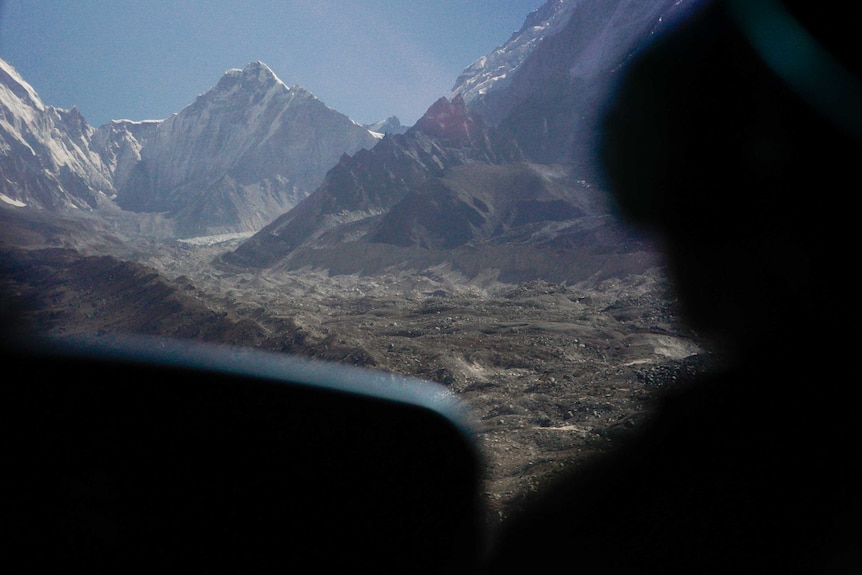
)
(478, 203)
(362, 187)
(65, 293)
(523, 220)
(449, 122)
(432, 217)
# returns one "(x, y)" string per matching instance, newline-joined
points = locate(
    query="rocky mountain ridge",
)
(251, 148)
(547, 85)
(244, 152)
(495, 70)
(495, 174)
(119, 143)
(363, 187)
(46, 160)
(455, 193)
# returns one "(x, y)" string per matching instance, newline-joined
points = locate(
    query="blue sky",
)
(146, 59)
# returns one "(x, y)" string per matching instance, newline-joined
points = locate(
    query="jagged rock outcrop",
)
(450, 192)
(46, 160)
(479, 203)
(243, 153)
(362, 187)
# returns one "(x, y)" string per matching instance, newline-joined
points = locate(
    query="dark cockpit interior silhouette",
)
(734, 140)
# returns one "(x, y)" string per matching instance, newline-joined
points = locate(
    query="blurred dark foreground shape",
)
(735, 139)
(127, 455)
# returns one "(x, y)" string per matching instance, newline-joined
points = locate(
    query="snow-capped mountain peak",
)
(254, 69)
(45, 154)
(256, 76)
(251, 141)
(242, 153)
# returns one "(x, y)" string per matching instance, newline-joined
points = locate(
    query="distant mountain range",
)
(244, 152)
(505, 160)
(46, 160)
(248, 149)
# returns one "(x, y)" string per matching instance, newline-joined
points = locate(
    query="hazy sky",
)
(146, 59)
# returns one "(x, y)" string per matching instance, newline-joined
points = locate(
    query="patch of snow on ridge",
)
(217, 239)
(494, 71)
(12, 202)
(126, 121)
(19, 87)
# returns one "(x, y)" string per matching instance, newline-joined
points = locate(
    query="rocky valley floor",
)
(552, 373)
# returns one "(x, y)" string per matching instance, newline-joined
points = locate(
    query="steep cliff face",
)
(494, 71)
(119, 144)
(243, 153)
(46, 160)
(547, 85)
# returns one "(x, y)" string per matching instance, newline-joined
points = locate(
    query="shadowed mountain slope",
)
(501, 163)
(481, 221)
(362, 187)
(547, 85)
